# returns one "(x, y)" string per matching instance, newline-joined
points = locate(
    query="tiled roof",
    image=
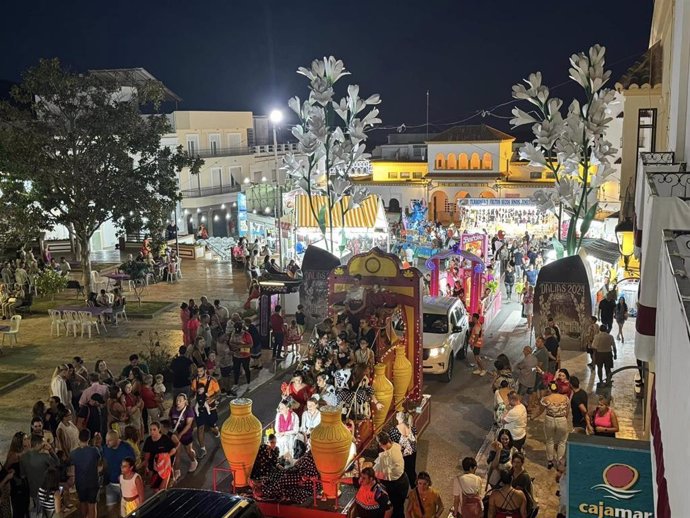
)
(472, 133)
(646, 70)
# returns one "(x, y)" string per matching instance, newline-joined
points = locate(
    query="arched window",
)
(461, 195)
(487, 194)
(487, 161)
(393, 205)
(463, 163)
(451, 163)
(474, 161)
(440, 161)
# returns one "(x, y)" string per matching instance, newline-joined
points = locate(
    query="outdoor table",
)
(117, 277)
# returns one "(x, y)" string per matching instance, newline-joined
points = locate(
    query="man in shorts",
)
(85, 459)
(182, 431)
(206, 390)
(476, 342)
(526, 374)
(114, 452)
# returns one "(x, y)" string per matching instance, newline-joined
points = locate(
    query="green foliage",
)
(492, 285)
(135, 269)
(152, 354)
(50, 282)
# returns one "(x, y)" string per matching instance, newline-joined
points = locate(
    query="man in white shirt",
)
(515, 420)
(65, 267)
(102, 300)
(390, 470)
(222, 312)
(467, 489)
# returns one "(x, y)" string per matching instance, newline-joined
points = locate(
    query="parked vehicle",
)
(445, 326)
(196, 503)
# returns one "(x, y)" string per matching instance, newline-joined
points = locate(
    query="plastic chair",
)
(71, 319)
(179, 268)
(172, 272)
(121, 311)
(13, 331)
(56, 321)
(87, 320)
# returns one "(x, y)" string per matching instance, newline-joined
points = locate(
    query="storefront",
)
(512, 215)
(361, 229)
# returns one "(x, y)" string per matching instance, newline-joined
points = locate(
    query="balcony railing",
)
(210, 191)
(242, 150)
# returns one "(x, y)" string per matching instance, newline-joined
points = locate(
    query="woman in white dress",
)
(287, 427)
(311, 418)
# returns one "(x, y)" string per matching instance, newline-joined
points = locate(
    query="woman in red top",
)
(151, 405)
(184, 319)
(193, 326)
(134, 406)
(299, 391)
(563, 382)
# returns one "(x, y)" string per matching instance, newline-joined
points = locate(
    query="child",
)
(211, 364)
(300, 318)
(159, 391)
(201, 400)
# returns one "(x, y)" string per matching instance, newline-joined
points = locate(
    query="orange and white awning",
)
(370, 213)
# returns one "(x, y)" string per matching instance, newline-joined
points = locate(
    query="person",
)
(515, 420)
(58, 385)
(222, 312)
(181, 367)
(591, 332)
(604, 419)
(299, 391)
(158, 449)
(621, 315)
(256, 350)
(131, 486)
(49, 495)
(562, 379)
(607, 309)
(404, 434)
(390, 469)
(371, 499)
(467, 491)
(152, 400)
(528, 306)
(326, 391)
(300, 319)
(134, 363)
(286, 427)
(522, 480)
(113, 453)
(557, 408)
(311, 418)
(364, 355)
(34, 463)
(240, 344)
(423, 501)
(206, 390)
(554, 327)
(102, 300)
(578, 408)
(266, 460)
(499, 458)
(367, 333)
(95, 387)
(19, 488)
(105, 375)
(531, 276)
(509, 281)
(506, 501)
(277, 324)
(134, 406)
(67, 434)
(551, 344)
(476, 343)
(604, 353)
(182, 421)
(86, 459)
(526, 374)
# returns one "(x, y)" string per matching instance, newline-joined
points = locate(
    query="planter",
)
(330, 445)
(383, 391)
(402, 376)
(240, 437)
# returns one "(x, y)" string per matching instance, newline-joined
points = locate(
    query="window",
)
(535, 175)
(646, 130)
(451, 163)
(440, 161)
(474, 161)
(216, 176)
(463, 163)
(417, 175)
(192, 144)
(234, 174)
(405, 175)
(449, 206)
(550, 175)
(392, 175)
(214, 143)
(487, 161)
(234, 140)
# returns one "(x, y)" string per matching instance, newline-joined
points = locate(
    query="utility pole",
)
(427, 115)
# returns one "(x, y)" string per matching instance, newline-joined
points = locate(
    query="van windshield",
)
(437, 324)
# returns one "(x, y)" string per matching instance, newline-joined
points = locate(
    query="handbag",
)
(419, 501)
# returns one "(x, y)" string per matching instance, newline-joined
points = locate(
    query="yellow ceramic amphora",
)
(240, 437)
(383, 391)
(402, 376)
(330, 445)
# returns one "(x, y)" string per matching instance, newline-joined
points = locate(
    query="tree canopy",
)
(79, 152)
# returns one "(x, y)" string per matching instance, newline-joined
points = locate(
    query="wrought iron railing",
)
(210, 191)
(670, 183)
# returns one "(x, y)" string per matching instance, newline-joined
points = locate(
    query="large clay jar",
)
(383, 391)
(330, 445)
(240, 437)
(402, 376)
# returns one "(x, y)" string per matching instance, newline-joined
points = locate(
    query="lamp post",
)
(626, 241)
(276, 117)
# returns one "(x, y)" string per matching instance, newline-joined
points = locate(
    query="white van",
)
(445, 324)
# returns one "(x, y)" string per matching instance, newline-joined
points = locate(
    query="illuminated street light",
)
(222, 206)
(263, 179)
(246, 180)
(276, 117)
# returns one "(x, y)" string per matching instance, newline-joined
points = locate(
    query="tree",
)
(86, 154)
(573, 148)
(331, 139)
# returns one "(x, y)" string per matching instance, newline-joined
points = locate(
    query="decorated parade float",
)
(371, 287)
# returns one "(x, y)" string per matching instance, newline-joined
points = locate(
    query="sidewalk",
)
(628, 407)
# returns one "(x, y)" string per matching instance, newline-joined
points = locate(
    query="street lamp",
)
(276, 118)
(625, 238)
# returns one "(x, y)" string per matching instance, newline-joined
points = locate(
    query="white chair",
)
(99, 283)
(56, 321)
(172, 272)
(121, 311)
(87, 320)
(71, 319)
(179, 268)
(14, 329)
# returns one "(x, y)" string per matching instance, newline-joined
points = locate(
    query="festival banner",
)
(609, 477)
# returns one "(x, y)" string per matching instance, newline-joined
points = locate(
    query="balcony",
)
(210, 191)
(243, 150)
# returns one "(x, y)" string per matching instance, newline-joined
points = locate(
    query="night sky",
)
(242, 55)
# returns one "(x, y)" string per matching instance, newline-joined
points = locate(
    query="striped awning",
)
(364, 216)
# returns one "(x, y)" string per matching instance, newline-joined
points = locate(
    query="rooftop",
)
(472, 133)
(134, 77)
(646, 71)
